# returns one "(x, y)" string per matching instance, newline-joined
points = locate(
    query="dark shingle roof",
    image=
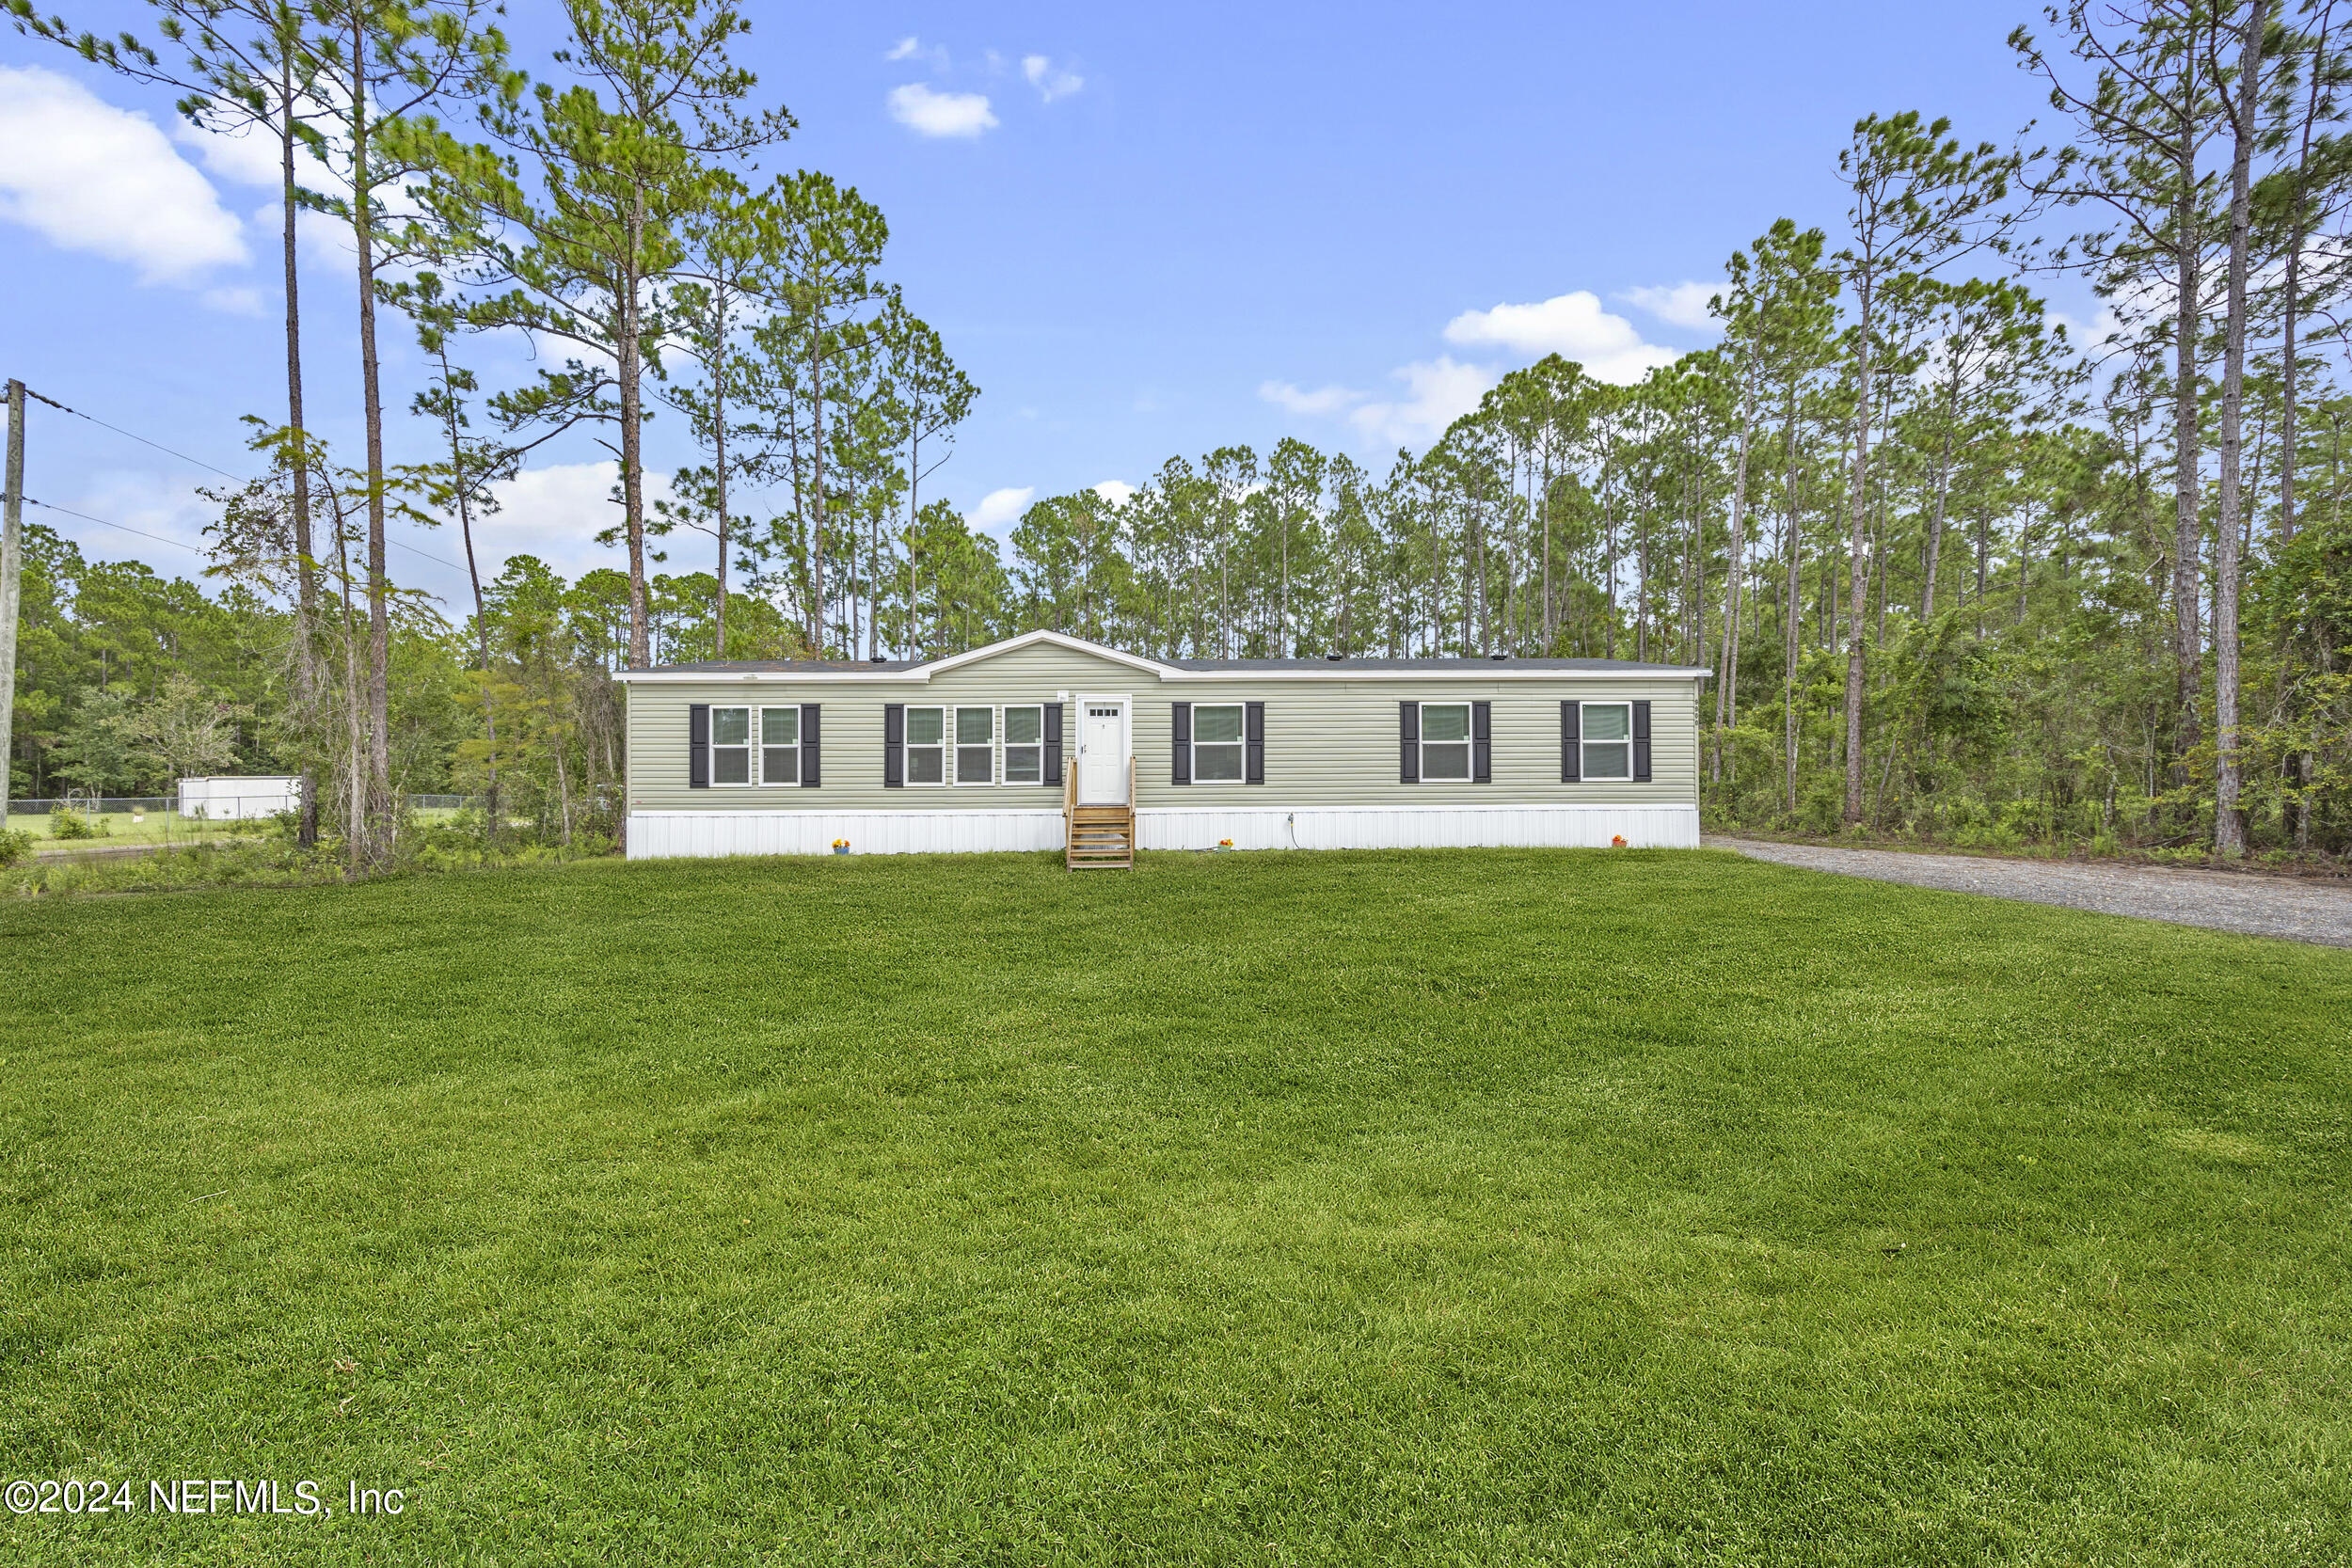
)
(1244, 666)
(1206, 666)
(777, 666)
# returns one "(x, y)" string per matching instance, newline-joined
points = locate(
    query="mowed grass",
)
(1475, 1208)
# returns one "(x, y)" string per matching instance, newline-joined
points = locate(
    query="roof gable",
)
(1054, 638)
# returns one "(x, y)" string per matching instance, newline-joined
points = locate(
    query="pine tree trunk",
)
(1858, 566)
(817, 475)
(631, 362)
(2187, 492)
(719, 459)
(2291, 309)
(1792, 612)
(492, 818)
(2228, 826)
(376, 812)
(1935, 525)
(306, 676)
(1725, 705)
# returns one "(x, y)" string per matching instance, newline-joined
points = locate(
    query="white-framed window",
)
(1605, 731)
(779, 746)
(1445, 742)
(926, 745)
(1217, 742)
(1025, 745)
(730, 746)
(975, 745)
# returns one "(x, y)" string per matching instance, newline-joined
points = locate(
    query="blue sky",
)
(1167, 229)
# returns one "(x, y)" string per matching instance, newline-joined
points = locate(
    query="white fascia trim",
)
(1490, 672)
(976, 809)
(1420, 810)
(773, 677)
(922, 674)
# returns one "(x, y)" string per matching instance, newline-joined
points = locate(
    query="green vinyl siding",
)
(1329, 740)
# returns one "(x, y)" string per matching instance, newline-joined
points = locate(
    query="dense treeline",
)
(1956, 570)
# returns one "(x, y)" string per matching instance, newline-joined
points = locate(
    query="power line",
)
(175, 543)
(183, 457)
(183, 544)
(140, 439)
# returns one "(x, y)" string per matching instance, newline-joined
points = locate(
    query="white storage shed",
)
(224, 798)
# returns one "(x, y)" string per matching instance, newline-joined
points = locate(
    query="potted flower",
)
(1616, 841)
(841, 846)
(1223, 844)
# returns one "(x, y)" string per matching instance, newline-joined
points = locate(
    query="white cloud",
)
(1114, 491)
(246, 156)
(1572, 325)
(152, 502)
(999, 507)
(1682, 305)
(1050, 83)
(2124, 315)
(940, 114)
(89, 177)
(236, 301)
(913, 48)
(1438, 392)
(1323, 399)
(555, 513)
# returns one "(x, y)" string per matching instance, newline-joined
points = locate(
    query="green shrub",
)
(15, 844)
(199, 866)
(65, 822)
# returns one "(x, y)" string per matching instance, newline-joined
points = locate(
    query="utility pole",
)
(11, 569)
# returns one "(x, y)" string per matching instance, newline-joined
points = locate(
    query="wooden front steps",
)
(1099, 837)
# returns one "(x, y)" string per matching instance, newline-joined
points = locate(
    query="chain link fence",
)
(108, 805)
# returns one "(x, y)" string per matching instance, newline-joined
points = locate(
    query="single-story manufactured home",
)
(1007, 747)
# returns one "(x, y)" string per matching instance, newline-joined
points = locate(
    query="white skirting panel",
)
(1556, 826)
(661, 834)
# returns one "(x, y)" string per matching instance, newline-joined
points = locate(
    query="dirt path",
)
(2225, 902)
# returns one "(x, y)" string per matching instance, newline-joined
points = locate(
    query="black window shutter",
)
(1253, 735)
(1571, 733)
(1408, 741)
(812, 768)
(1052, 772)
(1481, 742)
(698, 745)
(1640, 742)
(1181, 743)
(893, 745)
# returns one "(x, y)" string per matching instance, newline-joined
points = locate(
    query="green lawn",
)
(169, 827)
(1470, 1208)
(147, 827)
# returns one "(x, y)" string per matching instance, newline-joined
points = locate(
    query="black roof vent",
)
(1498, 658)
(877, 658)
(1334, 657)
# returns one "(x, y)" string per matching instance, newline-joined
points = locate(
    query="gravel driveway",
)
(2226, 901)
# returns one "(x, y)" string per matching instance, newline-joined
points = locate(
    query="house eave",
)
(922, 674)
(918, 675)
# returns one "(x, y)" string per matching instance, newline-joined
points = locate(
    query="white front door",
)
(1102, 752)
